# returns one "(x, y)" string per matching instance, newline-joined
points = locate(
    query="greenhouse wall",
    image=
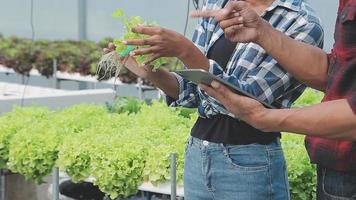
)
(58, 19)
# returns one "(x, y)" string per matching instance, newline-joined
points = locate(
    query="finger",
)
(139, 42)
(233, 30)
(153, 58)
(219, 14)
(226, 13)
(111, 46)
(204, 13)
(236, 14)
(106, 50)
(231, 22)
(220, 88)
(237, 6)
(144, 51)
(226, 92)
(213, 93)
(124, 59)
(148, 30)
(218, 96)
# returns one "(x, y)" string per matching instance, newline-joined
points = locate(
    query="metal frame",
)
(173, 176)
(82, 19)
(55, 183)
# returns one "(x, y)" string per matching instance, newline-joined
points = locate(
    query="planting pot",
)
(17, 187)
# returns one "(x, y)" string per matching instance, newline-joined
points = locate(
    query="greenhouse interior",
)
(77, 124)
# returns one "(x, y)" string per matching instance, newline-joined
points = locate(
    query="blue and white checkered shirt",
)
(250, 67)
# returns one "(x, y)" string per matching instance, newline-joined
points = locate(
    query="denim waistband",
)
(206, 144)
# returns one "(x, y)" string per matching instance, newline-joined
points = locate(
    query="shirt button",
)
(205, 143)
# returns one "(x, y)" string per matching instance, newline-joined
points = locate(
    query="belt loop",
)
(225, 150)
(190, 141)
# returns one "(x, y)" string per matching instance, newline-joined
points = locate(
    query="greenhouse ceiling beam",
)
(82, 19)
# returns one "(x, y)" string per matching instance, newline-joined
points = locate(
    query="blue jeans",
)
(237, 172)
(336, 185)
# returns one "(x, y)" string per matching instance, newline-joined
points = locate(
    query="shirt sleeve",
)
(188, 96)
(267, 80)
(351, 99)
(188, 91)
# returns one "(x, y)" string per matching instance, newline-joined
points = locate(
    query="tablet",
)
(200, 76)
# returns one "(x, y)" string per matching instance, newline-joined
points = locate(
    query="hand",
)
(111, 47)
(238, 20)
(244, 108)
(130, 63)
(161, 43)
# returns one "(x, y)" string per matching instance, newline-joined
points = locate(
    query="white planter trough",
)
(19, 95)
(75, 81)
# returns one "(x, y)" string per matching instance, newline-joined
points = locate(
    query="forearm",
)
(305, 62)
(334, 120)
(193, 58)
(166, 81)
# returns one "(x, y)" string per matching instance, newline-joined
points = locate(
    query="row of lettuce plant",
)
(119, 146)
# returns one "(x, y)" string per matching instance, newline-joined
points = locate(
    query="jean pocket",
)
(338, 185)
(247, 157)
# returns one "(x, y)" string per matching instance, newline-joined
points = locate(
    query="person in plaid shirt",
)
(225, 156)
(331, 125)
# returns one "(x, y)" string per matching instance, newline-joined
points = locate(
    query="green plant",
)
(108, 147)
(33, 151)
(110, 63)
(186, 112)
(126, 104)
(4, 45)
(76, 150)
(43, 57)
(309, 97)
(128, 24)
(12, 123)
(78, 118)
(22, 55)
(119, 150)
(17, 53)
(118, 169)
(74, 157)
(301, 173)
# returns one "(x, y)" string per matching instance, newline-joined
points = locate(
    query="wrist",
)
(185, 50)
(192, 57)
(150, 75)
(264, 33)
(279, 119)
(269, 120)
